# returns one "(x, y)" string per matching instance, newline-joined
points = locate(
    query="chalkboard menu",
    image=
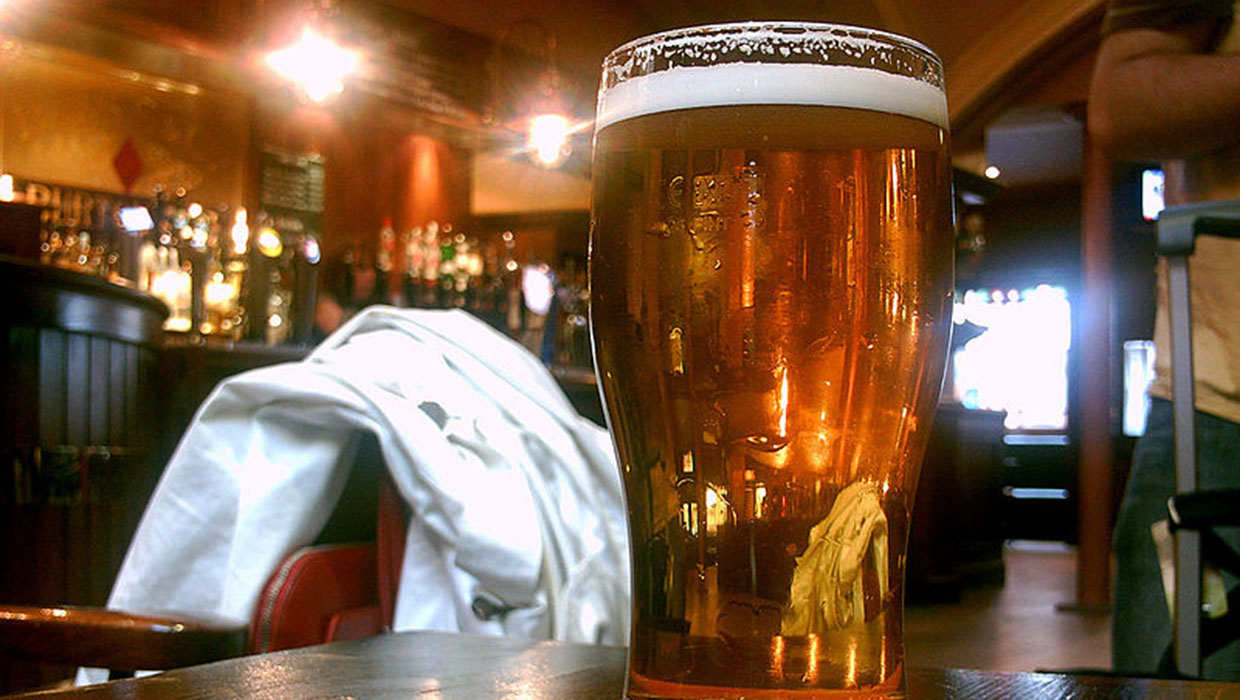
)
(291, 189)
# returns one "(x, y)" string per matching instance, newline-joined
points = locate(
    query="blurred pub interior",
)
(174, 209)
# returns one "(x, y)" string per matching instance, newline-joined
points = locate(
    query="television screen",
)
(136, 219)
(1017, 358)
(1152, 181)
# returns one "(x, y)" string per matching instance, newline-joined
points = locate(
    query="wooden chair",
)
(318, 594)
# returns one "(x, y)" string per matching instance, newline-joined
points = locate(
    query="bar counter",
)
(466, 667)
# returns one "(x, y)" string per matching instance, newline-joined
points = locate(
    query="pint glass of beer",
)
(771, 295)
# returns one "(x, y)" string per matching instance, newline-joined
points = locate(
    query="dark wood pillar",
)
(1095, 519)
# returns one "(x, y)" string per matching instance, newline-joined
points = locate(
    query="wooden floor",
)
(1018, 627)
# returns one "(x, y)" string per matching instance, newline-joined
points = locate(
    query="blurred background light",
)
(316, 64)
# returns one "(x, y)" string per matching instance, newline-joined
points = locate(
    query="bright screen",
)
(1152, 181)
(1018, 360)
(136, 219)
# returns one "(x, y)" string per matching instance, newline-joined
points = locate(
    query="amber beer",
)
(771, 278)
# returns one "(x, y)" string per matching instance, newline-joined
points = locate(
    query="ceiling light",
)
(548, 138)
(992, 172)
(316, 64)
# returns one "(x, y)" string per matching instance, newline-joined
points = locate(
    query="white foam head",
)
(766, 80)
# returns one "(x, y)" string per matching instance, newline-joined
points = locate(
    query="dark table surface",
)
(441, 666)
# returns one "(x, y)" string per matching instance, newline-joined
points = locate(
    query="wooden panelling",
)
(50, 359)
(18, 424)
(75, 375)
(117, 399)
(77, 356)
(100, 380)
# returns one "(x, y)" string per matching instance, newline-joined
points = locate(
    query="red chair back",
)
(329, 593)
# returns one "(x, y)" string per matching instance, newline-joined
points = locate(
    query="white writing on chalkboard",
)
(291, 182)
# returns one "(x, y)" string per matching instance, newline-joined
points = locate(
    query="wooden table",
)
(435, 665)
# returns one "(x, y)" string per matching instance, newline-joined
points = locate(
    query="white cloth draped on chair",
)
(515, 498)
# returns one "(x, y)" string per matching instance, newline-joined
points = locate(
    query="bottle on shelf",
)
(431, 267)
(415, 262)
(387, 287)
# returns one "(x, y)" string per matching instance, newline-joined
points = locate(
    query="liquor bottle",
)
(415, 260)
(447, 266)
(161, 274)
(385, 258)
(226, 269)
(265, 299)
(431, 269)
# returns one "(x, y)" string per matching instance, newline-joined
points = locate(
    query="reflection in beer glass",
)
(771, 275)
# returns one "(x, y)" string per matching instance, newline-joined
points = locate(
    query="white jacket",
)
(514, 496)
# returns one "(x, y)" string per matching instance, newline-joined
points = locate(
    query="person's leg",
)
(1141, 623)
(1218, 467)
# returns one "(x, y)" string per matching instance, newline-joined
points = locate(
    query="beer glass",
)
(771, 288)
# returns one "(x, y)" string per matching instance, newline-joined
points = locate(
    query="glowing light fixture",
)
(220, 291)
(6, 180)
(240, 232)
(548, 138)
(538, 288)
(992, 172)
(311, 250)
(270, 243)
(317, 64)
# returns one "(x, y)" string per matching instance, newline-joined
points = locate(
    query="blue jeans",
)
(1141, 627)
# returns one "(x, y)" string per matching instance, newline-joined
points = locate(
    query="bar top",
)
(466, 667)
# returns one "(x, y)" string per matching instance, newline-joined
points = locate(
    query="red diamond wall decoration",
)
(128, 165)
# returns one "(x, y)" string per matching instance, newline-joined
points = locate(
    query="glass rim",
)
(791, 28)
(751, 51)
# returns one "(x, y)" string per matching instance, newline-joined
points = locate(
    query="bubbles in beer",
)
(761, 357)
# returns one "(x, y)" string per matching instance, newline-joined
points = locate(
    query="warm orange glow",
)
(811, 668)
(882, 658)
(783, 403)
(747, 268)
(427, 193)
(777, 656)
(850, 669)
